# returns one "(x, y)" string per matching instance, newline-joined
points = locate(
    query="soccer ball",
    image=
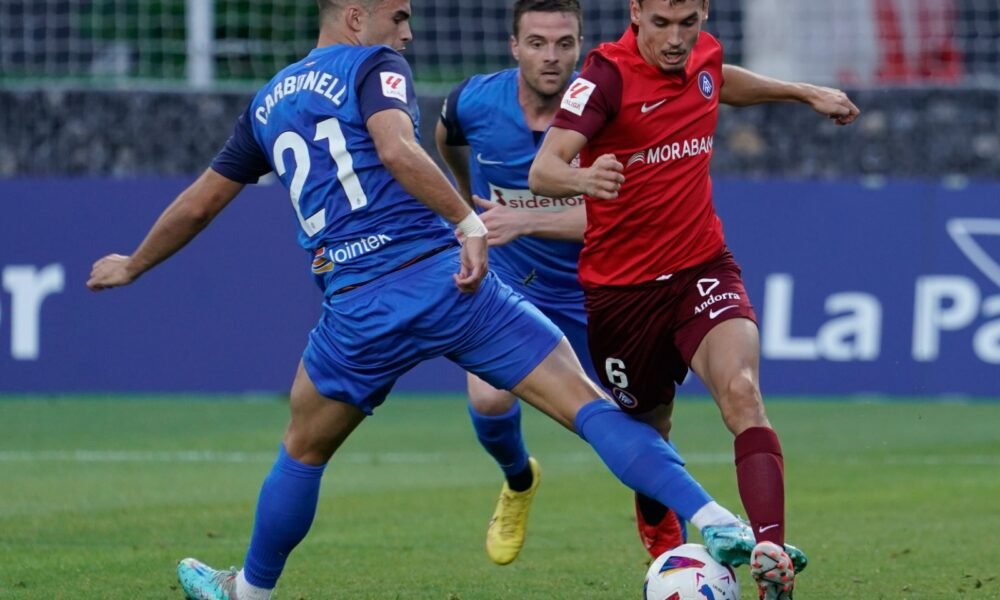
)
(688, 572)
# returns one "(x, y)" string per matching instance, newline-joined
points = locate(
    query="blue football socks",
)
(639, 457)
(501, 436)
(285, 511)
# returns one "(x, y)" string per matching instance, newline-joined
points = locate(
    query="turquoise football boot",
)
(729, 544)
(202, 582)
(733, 544)
(799, 559)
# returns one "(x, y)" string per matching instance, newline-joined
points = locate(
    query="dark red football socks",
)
(760, 475)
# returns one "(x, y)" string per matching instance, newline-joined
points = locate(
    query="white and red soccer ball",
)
(688, 572)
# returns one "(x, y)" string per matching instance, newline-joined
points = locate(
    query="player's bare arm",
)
(552, 174)
(742, 87)
(413, 168)
(506, 224)
(186, 216)
(457, 159)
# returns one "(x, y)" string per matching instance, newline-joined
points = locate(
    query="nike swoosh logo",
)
(762, 528)
(648, 107)
(714, 313)
(483, 161)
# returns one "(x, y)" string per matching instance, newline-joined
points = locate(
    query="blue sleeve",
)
(242, 159)
(449, 117)
(385, 81)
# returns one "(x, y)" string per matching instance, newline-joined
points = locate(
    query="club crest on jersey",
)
(706, 84)
(321, 264)
(393, 85)
(624, 398)
(576, 96)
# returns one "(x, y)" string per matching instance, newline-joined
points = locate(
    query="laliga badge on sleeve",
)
(576, 96)
(393, 85)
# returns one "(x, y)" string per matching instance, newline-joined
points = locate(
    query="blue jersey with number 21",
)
(308, 125)
(385, 260)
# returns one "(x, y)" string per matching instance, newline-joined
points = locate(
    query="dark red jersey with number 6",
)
(661, 127)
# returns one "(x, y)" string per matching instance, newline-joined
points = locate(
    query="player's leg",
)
(496, 418)
(496, 414)
(631, 337)
(363, 342)
(634, 451)
(660, 529)
(288, 497)
(511, 345)
(727, 360)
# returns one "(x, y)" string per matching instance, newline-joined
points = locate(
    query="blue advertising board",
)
(892, 289)
(229, 312)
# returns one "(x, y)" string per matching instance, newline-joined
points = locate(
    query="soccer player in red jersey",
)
(663, 293)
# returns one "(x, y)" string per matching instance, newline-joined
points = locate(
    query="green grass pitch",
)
(99, 498)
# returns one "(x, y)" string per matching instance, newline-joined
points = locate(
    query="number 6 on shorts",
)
(615, 369)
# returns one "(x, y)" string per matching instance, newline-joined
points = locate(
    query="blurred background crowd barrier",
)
(106, 106)
(235, 43)
(927, 73)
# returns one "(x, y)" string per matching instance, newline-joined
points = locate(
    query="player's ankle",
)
(713, 514)
(521, 481)
(248, 591)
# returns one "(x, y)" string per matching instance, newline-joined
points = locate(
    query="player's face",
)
(388, 24)
(546, 50)
(668, 30)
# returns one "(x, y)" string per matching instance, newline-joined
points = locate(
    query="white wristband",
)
(472, 226)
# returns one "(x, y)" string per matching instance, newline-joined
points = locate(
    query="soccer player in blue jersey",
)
(490, 128)
(338, 129)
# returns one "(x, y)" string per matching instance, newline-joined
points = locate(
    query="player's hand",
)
(604, 178)
(110, 271)
(474, 264)
(504, 224)
(833, 103)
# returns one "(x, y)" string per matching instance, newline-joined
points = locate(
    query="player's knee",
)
(561, 375)
(317, 428)
(305, 446)
(742, 389)
(559, 388)
(741, 404)
(490, 402)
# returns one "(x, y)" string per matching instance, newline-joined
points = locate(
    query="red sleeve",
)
(603, 103)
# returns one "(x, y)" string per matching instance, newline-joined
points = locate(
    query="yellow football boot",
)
(505, 535)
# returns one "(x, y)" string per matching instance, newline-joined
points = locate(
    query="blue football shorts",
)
(570, 317)
(368, 337)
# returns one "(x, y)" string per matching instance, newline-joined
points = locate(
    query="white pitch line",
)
(140, 456)
(406, 458)
(972, 460)
(209, 456)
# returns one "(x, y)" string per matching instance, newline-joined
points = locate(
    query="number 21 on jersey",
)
(325, 130)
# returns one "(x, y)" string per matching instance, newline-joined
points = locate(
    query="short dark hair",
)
(672, 2)
(332, 7)
(566, 6)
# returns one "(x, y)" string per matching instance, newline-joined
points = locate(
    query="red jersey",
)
(661, 127)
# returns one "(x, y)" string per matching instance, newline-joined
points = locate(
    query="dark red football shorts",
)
(642, 337)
